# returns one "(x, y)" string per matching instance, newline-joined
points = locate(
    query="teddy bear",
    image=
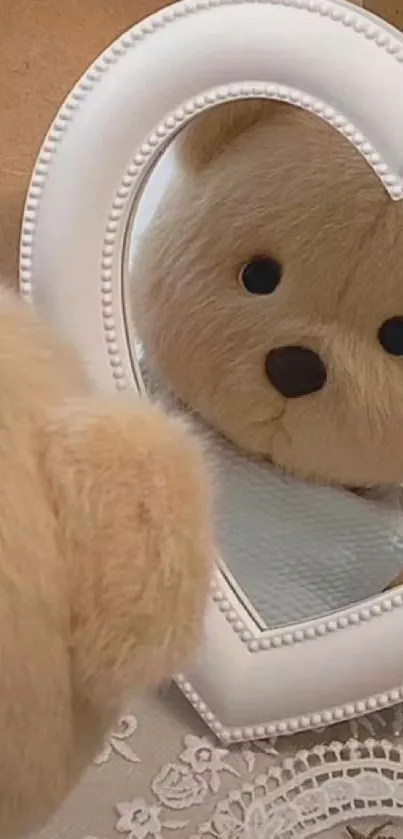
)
(106, 546)
(267, 293)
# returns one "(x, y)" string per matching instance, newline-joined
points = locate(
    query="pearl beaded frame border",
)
(286, 727)
(270, 639)
(144, 157)
(267, 639)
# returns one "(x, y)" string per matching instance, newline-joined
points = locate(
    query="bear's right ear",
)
(214, 130)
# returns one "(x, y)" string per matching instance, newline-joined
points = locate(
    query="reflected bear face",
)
(269, 296)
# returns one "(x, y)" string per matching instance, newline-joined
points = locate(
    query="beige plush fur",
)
(262, 178)
(105, 552)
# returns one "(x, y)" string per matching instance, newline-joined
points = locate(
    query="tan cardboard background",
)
(392, 10)
(45, 46)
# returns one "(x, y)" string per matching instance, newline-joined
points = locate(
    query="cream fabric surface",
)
(161, 776)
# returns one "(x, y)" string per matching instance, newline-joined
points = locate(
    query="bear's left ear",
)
(213, 131)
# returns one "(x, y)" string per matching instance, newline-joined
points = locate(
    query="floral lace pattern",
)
(188, 781)
(118, 742)
(264, 790)
(315, 790)
(139, 820)
(296, 798)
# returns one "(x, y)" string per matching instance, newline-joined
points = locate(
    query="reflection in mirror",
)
(253, 295)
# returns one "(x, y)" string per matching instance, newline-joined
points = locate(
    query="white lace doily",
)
(160, 776)
(315, 790)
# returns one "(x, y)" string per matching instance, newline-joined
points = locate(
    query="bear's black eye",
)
(390, 336)
(261, 275)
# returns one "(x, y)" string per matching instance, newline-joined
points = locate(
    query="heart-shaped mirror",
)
(298, 634)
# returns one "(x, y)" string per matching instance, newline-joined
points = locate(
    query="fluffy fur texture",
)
(264, 178)
(105, 553)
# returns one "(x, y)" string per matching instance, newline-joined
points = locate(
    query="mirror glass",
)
(296, 549)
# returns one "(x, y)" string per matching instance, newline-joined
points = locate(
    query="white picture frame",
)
(348, 69)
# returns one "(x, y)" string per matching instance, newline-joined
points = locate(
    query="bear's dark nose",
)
(295, 371)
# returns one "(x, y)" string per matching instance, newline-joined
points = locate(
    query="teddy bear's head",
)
(268, 293)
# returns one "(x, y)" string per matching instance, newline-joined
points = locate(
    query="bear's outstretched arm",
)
(105, 556)
(133, 504)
